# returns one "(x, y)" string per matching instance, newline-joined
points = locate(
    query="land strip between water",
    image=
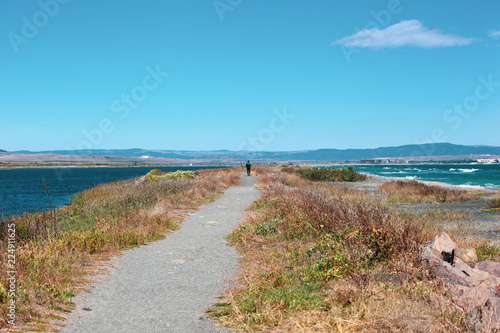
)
(168, 285)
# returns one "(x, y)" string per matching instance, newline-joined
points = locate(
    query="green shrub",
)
(331, 174)
(159, 175)
(488, 251)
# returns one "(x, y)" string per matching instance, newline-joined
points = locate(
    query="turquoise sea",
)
(486, 176)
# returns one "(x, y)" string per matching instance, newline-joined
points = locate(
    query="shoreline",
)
(77, 166)
(434, 183)
(448, 186)
(373, 181)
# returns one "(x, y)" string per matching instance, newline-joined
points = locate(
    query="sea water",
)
(481, 176)
(22, 190)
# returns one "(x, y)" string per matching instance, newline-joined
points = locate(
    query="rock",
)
(473, 287)
(470, 297)
(476, 277)
(441, 269)
(489, 266)
(442, 242)
(467, 255)
(211, 224)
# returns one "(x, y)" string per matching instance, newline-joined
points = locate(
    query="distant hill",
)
(425, 150)
(3, 151)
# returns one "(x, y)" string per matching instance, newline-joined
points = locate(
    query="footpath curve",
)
(168, 285)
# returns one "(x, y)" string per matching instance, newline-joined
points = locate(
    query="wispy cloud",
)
(404, 33)
(494, 34)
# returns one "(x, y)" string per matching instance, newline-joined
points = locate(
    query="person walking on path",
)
(249, 166)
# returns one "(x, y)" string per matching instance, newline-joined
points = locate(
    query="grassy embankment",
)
(324, 258)
(414, 192)
(56, 251)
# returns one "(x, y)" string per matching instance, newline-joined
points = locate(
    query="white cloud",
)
(404, 33)
(494, 34)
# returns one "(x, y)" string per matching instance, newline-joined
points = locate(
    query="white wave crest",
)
(477, 187)
(468, 170)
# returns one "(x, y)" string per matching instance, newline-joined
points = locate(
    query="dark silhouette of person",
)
(249, 166)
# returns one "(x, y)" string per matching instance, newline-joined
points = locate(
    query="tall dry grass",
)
(320, 258)
(415, 192)
(55, 250)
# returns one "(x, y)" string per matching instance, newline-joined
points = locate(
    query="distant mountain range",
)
(406, 151)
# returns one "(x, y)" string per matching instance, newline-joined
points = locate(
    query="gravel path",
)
(168, 285)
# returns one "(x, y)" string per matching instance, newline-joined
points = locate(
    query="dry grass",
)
(414, 192)
(55, 250)
(320, 258)
(494, 203)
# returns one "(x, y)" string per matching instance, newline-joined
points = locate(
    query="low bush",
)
(159, 175)
(331, 174)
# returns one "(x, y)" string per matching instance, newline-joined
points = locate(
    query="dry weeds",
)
(415, 192)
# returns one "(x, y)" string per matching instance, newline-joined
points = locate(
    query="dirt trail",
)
(167, 286)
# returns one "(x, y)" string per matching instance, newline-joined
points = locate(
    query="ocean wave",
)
(492, 187)
(477, 187)
(453, 169)
(468, 170)
(411, 177)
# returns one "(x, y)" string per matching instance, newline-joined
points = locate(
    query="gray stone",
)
(489, 266)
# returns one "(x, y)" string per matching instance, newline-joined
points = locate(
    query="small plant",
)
(493, 203)
(488, 251)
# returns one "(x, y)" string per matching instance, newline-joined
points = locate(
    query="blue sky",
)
(241, 74)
